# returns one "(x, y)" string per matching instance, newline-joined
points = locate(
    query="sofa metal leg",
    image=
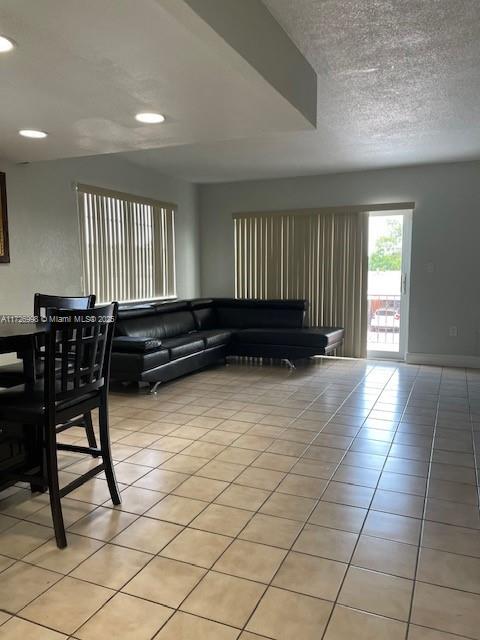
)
(289, 363)
(154, 386)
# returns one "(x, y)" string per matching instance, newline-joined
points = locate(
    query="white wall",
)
(43, 224)
(446, 232)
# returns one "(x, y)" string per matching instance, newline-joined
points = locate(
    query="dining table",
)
(18, 445)
(21, 338)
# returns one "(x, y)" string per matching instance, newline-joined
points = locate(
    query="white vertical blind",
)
(322, 257)
(127, 245)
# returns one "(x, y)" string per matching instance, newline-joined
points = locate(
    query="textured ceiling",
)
(393, 69)
(398, 84)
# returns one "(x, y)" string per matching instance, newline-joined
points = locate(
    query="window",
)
(127, 245)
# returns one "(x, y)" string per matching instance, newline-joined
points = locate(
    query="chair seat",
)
(26, 403)
(12, 375)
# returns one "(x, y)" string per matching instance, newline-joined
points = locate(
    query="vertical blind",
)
(127, 245)
(322, 257)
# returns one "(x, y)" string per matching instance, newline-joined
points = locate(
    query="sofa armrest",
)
(135, 344)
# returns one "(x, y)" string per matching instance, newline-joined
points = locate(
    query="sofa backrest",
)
(170, 319)
(162, 320)
(257, 314)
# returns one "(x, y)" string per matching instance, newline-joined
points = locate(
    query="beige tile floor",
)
(337, 502)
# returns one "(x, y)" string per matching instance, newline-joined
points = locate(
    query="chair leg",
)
(37, 488)
(107, 454)
(53, 486)
(36, 452)
(92, 441)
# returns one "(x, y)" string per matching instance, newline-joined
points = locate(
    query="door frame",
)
(404, 288)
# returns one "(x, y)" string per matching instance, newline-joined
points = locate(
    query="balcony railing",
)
(383, 322)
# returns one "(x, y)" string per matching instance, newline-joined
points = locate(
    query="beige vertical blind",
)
(322, 257)
(127, 245)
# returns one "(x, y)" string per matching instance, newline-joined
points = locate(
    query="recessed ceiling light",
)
(150, 118)
(32, 133)
(6, 44)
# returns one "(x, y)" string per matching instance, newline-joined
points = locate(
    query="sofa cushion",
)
(183, 345)
(130, 365)
(215, 337)
(311, 337)
(177, 324)
(145, 326)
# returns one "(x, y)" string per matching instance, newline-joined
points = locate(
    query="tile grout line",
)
(349, 564)
(231, 482)
(424, 511)
(317, 502)
(131, 578)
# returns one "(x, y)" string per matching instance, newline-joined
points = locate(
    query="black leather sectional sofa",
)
(156, 342)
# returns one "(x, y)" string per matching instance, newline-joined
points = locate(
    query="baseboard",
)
(443, 360)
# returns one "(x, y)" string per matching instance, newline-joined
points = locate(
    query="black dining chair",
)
(77, 355)
(12, 375)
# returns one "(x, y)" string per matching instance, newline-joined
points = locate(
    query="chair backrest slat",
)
(44, 301)
(64, 338)
(78, 355)
(78, 350)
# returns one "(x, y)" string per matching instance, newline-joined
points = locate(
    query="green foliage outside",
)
(387, 255)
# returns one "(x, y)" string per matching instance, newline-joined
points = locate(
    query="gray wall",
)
(43, 224)
(446, 232)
